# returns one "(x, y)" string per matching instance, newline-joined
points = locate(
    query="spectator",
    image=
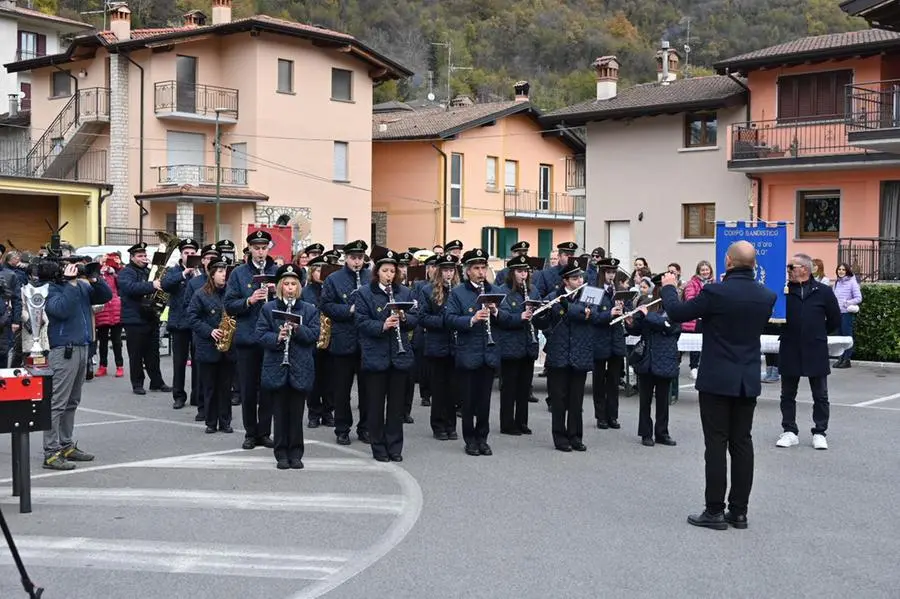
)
(849, 297)
(703, 275)
(109, 318)
(819, 272)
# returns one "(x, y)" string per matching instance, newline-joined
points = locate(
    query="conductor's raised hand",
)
(669, 279)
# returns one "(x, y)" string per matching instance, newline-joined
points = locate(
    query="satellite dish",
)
(430, 97)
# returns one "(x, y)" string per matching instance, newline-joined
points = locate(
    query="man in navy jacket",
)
(734, 313)
(70, 332)
(174, 282)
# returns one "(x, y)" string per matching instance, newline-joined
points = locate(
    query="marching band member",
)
(338, 305)
(518, 346)
(174, 283)
(477, 359)
(204, 315)
(438, 346)
(520, 248)
(244, 301)
(657, 367)
(321, 400)
(387, 356)
(423, 367)
(549, 280)
(288, 369)
(207, 254)
(609, 349)
(570, 353)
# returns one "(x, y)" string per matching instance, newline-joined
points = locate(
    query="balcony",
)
(133, 235)
(768, 146)
(28, 54)
(575, 173)
(88, 167)
(195, 103)
(871, 258)
(193, 174)
(521, 203)
(875, 115)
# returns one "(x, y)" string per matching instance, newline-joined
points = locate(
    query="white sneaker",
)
(788, 439)
(694, 374)
(819, 442)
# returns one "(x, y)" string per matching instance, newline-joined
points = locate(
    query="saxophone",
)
(227, 325)
(324, 332)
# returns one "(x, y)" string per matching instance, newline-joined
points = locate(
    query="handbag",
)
(640, 355)
(853, 309)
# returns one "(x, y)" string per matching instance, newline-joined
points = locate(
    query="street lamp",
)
(218, 111)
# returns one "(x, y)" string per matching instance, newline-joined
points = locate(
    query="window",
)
(341, 161)
(544, 184)
(819, 214)
(285, 76)
(339, 231)
(490, 240)
(239, 163)
(490, 179)
(31, 45)
(456, 176)
(61, 84)
(341, 85)
(700, 129)
(511, 175)
(699, 221)
(813, 96)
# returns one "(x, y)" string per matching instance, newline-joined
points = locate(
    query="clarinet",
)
(487, 323)
(534, 338)
(286, 358)
(358, 282)
(454, 333)
(400, 348)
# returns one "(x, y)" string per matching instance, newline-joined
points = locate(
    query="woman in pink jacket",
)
(702, 275)
(109, 319)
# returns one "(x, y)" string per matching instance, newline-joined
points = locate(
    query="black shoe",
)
(452, 436)
(266, 441)
(249, 443)
(164, 389)
(842, 364)
(485, 449)
(397, 458)
(614, 424)
(472, 449)
(200, 417)
(549, 409)
(525, 430)
(382, 458)
(210, 430)
(235, 400)
(579, 446)
(426, 402)
(736, 520)
(139, 391)
(647, 441)
(313, 423)
(296, 464)
(364, 437)
(707, 520)
(226, 429)
(565, 448)
(602, 425)
(179, 403)
(282, 464)
(408, 419)
(667, 440)
(442, 436)
(511, 431)
(90, 374)
(343, 439)
(328, 420)
(533, 399)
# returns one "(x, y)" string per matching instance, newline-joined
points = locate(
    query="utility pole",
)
(218, 172)
(450, 67)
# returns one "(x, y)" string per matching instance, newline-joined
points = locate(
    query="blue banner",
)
(771, 241)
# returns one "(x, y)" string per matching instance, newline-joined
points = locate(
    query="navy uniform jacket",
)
(133, 286)
(548, 280)
(661, 341)
(812, 312)
(337, 299)
(202, 316)
(312, 293)
(69, 312)
(438, 338)
(500, 279)
(240, 286)
(379, 347)
(513, 334)
(472, 349)
(174, 283)
(302, 371)
(609, 341)
(570, 334)
(592, 275)
(192, 287)
(734, 314)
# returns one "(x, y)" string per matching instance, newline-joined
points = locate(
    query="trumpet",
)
(556, 300)
(534, 338)
(286, 358)
(400, 348)
(619, 319)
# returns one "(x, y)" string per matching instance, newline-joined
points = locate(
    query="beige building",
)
(292, 104)
(657, 164)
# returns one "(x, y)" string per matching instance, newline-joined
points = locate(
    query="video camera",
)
(52, 266)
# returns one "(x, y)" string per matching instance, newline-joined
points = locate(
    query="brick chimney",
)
(195, 18)
(607, 70)
(522, 88)
(120, 21)
(221, 11)
(666, 64)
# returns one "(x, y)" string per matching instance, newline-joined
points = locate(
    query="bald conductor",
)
(734, 313)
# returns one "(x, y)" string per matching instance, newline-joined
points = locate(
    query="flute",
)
(557, 299)
(619, 319)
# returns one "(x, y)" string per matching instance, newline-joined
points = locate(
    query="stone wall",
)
(379, 219)
(118, 204)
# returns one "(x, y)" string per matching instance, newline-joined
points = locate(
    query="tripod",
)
(33, 591)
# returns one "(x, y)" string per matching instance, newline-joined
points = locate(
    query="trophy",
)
(35, 301)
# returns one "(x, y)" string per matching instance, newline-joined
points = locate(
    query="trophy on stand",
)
(35, 301)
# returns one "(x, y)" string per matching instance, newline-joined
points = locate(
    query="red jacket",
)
(111, 314)
(691, 290)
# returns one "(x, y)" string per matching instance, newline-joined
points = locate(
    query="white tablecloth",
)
(694, 341)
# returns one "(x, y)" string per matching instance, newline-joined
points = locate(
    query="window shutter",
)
(825, 94)
(41, 44)
(511, 236)
(806, 96)
(842, 80)
(787, 98)
(485, 237)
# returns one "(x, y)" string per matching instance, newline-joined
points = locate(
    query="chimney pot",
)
(666, 64)
(221, 12)
(195, 18)
(607, 70)
(120, 21)
(13, 105)
(522, 89)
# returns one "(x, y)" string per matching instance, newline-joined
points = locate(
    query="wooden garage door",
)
(22, 220)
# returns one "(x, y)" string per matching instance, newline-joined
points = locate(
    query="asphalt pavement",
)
(167, 511)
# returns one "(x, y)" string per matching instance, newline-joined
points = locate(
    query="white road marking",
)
(181, 558)
(222, 500)
(99, 422)
(258, 462)
(878, 400)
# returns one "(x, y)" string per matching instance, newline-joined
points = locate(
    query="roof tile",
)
(206, 191)
(432, 123)
(833, 41)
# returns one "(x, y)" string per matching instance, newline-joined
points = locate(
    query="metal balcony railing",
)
(28, 54)
(791, 139)
(194, 174)
(575, 173)
(874, 105)
(871, 258)
(132, 235)
(523, 203)
(203, 100)
(90, 167)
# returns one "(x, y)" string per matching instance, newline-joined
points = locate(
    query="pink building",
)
(292, 104)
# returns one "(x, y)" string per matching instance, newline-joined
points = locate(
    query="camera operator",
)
(69, 309)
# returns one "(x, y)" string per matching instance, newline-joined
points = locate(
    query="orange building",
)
(488, 174)
(822, 144)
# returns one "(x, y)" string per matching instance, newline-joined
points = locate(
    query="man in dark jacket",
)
(70, 332)
(812, 311)
(141, 324)
(174, 282)
(734, 314)
(550, 278)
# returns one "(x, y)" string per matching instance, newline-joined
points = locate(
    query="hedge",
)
(877, 333)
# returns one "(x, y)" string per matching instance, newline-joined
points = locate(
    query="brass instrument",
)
(324, 332)
(227, 325)
(619, 319)
(159, 299)
(534, 338)
(487, 323)
(400, 348)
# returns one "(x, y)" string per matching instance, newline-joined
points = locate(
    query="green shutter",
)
(545, 242)
(485, 237)
(508, 237)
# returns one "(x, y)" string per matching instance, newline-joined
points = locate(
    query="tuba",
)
(227, 325)
(159, 299)
(324, 332)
